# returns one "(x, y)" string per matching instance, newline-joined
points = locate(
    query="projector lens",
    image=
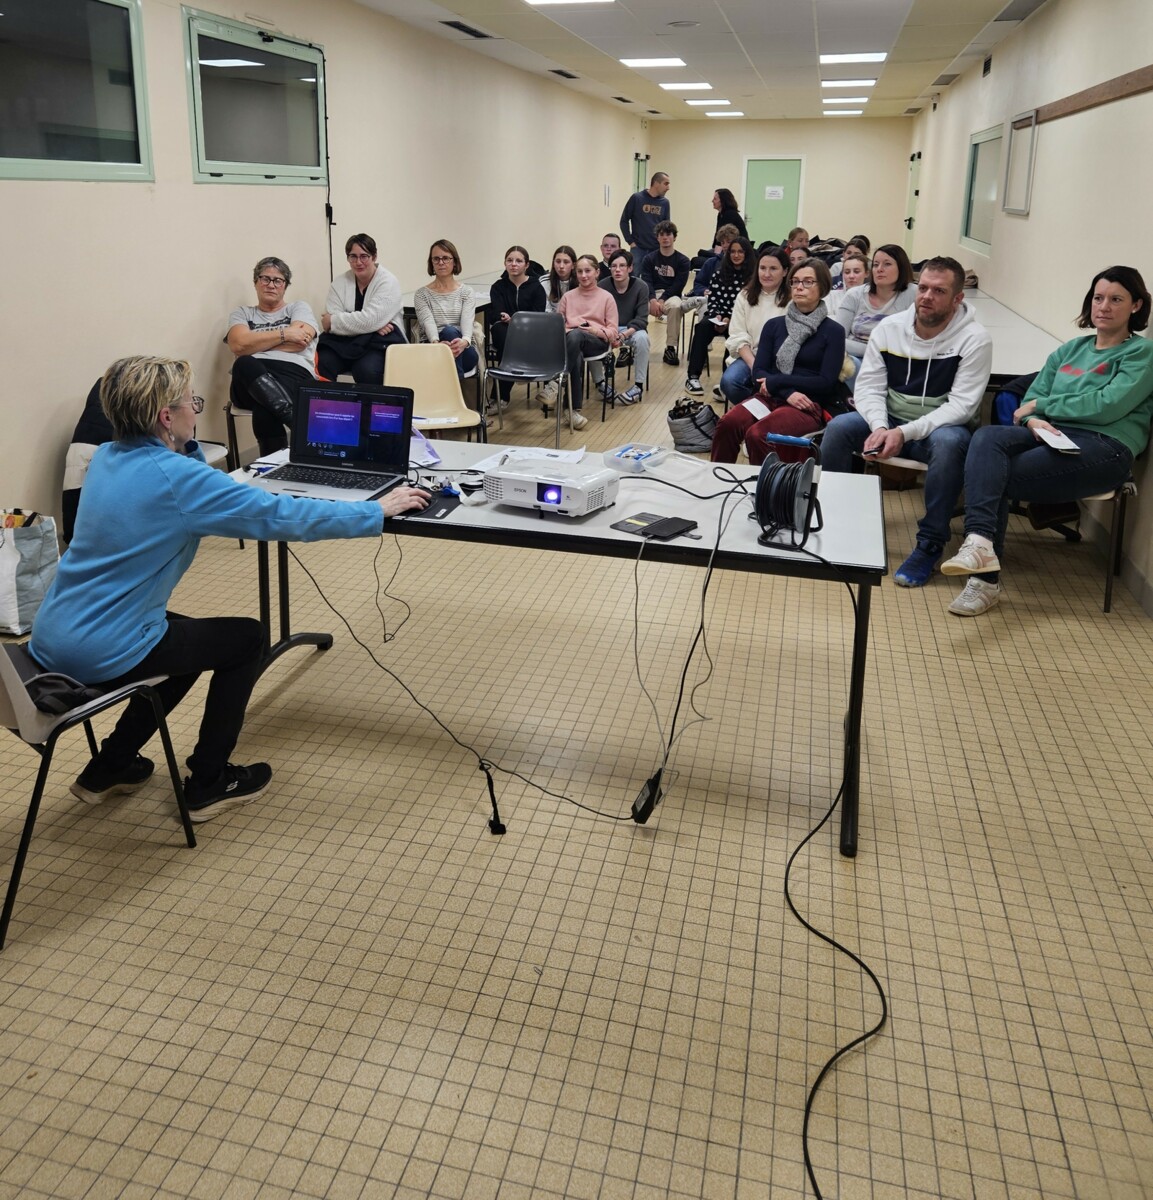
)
(548, 493)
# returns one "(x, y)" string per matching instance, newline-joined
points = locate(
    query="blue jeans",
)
(1007, 463)
(468, 358)
(943, 452)
(737, 381)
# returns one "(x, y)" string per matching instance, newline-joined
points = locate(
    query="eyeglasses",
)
(360, 258)
(272, 280)
(805, 283)
(197, 404)
(442, 258)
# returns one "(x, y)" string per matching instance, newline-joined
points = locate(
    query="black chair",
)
(534, 352)
(41, 730)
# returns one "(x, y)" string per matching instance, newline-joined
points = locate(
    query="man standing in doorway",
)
(642, 213)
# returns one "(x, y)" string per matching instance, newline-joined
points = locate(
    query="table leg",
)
(288, 640)
(850, 801)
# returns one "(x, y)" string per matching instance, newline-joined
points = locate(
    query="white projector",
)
(571, 489)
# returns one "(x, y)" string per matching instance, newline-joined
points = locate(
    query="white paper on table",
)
(521, 453)
(421, 451)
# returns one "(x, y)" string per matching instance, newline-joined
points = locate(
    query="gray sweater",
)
(632, 303)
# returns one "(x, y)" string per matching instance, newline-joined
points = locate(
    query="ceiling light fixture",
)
(843, 112)
(732, 113)
(880, 56)
(848, 83)
(687, 87)
(652, 62)
(709, 103)
(844, 99)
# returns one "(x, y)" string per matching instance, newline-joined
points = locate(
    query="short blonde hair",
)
(134, 390)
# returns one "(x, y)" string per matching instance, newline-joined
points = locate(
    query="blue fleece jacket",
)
(143, 512)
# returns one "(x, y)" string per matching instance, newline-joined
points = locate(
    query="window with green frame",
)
(72, 94)
(981, 181)
(257, 104)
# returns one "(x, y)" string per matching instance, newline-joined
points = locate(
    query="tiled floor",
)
(351, 988)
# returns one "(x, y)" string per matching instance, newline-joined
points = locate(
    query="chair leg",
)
(26, 836)
(1116, 535)
(91, 739)
(173, 766)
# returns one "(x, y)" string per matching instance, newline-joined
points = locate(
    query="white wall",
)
(427, 140)
(1092, 184)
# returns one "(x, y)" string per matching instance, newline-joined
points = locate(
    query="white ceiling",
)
(760, 54)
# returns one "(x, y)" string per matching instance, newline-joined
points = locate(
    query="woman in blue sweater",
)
(796, 374)
(149, 498)
(1098, 391)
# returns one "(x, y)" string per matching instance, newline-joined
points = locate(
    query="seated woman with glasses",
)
(796, 374)
(362, 316)
(446, 308)
(273, 344)
(149, 497)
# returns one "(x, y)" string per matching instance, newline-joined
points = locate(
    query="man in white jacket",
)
(918, 394)
(362, 316)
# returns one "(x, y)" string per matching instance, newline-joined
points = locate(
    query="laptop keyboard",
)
(357, 480)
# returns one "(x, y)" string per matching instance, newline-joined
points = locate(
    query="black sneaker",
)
(96, 783)
(231, 788)
(693, 386)
(672, 358)
(624, 355)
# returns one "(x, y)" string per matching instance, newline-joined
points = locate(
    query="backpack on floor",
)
(691, 424)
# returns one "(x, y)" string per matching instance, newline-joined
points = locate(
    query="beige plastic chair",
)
(438, 403)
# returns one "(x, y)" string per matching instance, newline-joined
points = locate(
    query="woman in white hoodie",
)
(362, 316)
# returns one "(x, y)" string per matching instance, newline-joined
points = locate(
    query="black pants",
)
(368, 368)
(703, 333)
(579, 344)
(232, 648)
(267, 427)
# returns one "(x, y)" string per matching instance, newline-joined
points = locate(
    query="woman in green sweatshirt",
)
(1098, 392)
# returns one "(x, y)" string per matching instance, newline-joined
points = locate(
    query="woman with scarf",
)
(796, 374)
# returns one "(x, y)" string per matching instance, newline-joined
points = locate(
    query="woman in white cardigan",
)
(362, 316)
(765, 296)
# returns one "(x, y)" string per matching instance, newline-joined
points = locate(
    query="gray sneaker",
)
(978, 597)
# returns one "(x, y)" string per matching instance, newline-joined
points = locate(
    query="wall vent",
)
(562, 74)
(461, 27)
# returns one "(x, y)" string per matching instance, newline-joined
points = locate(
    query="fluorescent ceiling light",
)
(652, 62)
(851, 58)
(687, 87)
(730, 113)
(844, 112)
(844, 99)
(848, 83)
(710, 103)
(228, 62)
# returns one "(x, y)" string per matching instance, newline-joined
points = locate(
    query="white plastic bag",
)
(28, 559)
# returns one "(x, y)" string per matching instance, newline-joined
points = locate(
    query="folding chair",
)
(41, 730)
(438, 404)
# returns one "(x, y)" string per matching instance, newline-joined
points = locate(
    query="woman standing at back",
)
(727, 211)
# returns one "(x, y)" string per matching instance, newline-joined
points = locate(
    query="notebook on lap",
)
(349, 442)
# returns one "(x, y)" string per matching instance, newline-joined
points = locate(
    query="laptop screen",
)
(360, 426)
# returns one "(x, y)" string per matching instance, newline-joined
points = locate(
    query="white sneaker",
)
(977, 598)
(579, 420)
(972, 559)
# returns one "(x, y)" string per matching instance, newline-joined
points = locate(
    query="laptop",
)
(349, 442)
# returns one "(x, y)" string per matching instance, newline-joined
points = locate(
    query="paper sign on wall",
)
(774, 193)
